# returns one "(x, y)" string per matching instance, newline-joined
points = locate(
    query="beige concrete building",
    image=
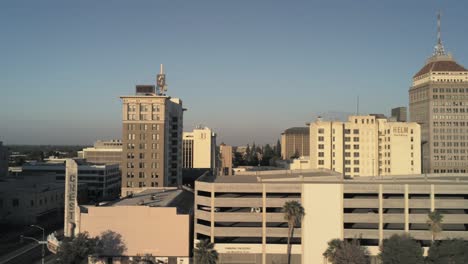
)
(199, 149)
(154, 222)
(438, 101)
(225, 156)
(152, 140)
(295, 141)
(3, 160)
(242, 214)
(103, 152)
(365, 145)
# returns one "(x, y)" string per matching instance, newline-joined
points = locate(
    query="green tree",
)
(453, 251)
(333, 245)
(278, 149)
(76, 250)
(401, 249)
(204, 253)
(293, 214)
(346, 252)
(434, 220)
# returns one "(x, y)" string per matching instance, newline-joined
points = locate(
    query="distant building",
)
(438, 101)
(28, 200)
(103, 152)
(365, 145)
(400, 114)
(152, 139)
(155, 223)
(225, 156)
(199, 149)
(3, 160)
(103, 181)
(295, 141)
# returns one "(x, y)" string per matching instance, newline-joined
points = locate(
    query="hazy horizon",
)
(248, 70)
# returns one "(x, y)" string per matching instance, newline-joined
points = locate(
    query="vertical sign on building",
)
(71, 204)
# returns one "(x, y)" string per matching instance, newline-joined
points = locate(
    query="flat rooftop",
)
(327, 176)
(180, 198)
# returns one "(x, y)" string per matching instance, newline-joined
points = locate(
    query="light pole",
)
(40, 242)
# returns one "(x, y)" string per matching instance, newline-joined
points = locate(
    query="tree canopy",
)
(401, 249)
(454, 251)
(346, 252)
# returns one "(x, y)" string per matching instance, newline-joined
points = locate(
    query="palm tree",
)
(435, 223)
(204, 252)
(293, 214)
(333, 245)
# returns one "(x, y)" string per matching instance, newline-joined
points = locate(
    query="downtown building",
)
(103, 152)
(151, 138)
(3, 160)
(295, 142)
(438, 101)
(365, 145)
(199, 149)
(243, 215)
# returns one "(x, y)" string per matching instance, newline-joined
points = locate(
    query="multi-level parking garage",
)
(242, 214)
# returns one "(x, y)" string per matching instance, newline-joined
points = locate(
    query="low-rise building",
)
(103, 181)
(243, 215)
(28, 200)
(155, 223)
(103, 152)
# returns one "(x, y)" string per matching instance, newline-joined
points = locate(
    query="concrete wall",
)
(158, 231)
(322, 221)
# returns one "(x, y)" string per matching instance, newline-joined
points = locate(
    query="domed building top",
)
(440, 64)
(439, 61)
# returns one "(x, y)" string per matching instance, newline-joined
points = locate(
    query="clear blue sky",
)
(248, 69)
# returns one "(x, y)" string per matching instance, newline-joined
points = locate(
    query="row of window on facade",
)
(147, 117)
(142, 165)
(449, 123)
(131, 184)
(15, 202)
(451, 103)
(450, 171)
(142, 126)
(143, 146)
(450, 110)
(131, 155)
(143, 136)
(143, 174)
(451, 157)
(144, 107)
(451, 117)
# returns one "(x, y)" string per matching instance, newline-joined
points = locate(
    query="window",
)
(321, 130)
(321, 162)
(321, 146)
(321, 154)
(320, 138)
(356, 170)
(15, 202)
(356, 131)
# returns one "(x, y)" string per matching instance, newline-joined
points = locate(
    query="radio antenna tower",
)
(161, 82)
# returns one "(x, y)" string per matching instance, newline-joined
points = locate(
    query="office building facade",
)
(438, 101)
(400, 114)
(295, 142)
(152, 140)
(242, 215)
(3, 160)
(103, 152)
(199, 149)
(102, 181)
(225, 157)
(365, 145)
